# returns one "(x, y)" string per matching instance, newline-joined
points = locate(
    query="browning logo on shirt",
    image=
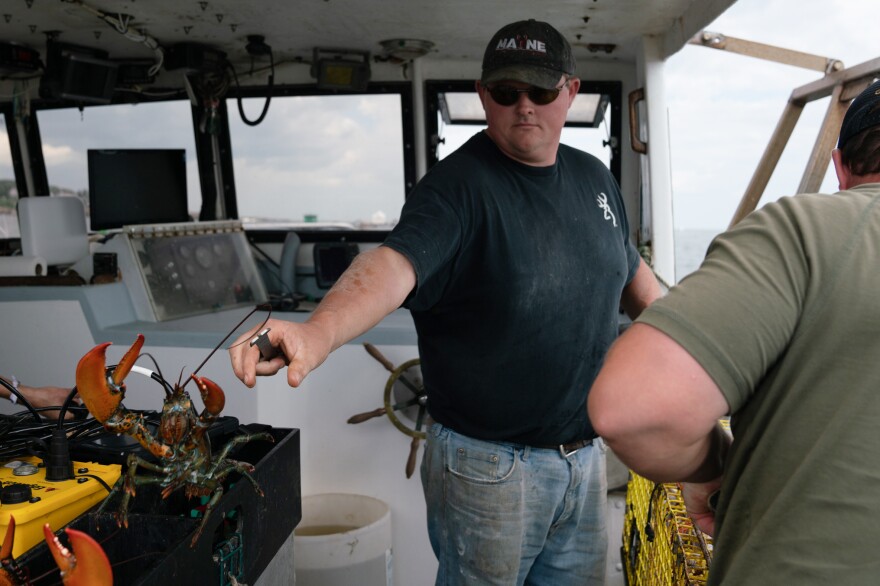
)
(602, 200)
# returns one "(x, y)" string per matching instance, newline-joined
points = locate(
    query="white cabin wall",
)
(41, 343)
(368, 458)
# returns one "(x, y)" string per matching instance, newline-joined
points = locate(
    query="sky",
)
(723, 107)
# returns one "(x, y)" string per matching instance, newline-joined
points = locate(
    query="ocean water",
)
(690, 250)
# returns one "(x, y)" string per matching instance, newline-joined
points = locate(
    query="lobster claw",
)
(103, 396)
(86, 565)
(6, 548)
(212, 395)
(7, 576)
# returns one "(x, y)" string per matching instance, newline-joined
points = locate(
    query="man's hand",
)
(697, 501)
(300, 347)
(48, 397)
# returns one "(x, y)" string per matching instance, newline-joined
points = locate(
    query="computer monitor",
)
(136, 186)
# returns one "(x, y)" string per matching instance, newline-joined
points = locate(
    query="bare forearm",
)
(663, 458)
(38, 397)
(641, 291)
(376, 284)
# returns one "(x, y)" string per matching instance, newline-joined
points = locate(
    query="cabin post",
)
(418, 81)
(25, 156)
(656, 164)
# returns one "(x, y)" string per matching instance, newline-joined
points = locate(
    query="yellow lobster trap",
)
(661, 545)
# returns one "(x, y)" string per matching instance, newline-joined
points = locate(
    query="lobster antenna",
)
(262, 306)
(161, 380)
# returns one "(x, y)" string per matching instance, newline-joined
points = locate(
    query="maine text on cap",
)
(521, 44)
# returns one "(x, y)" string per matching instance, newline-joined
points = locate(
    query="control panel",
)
(26, 495)
(179, 270)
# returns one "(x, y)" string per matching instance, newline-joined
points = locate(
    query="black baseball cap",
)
(863, 113)
(529, 51)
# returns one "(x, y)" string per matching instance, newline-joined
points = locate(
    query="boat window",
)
(470, 119)
(67, 134)
(588, 109)
(593, 123)
(320, 158)
(8, 190)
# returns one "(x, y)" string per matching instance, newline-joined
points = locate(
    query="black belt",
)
(568, 449)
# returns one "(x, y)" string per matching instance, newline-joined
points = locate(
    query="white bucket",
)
(343, 539)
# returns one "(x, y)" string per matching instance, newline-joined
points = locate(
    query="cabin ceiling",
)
(459, 29)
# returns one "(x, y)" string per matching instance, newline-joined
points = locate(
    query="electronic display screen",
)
(87, 79)
(136, 186)
(331, 260)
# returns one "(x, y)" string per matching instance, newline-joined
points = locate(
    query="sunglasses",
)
(505, 95)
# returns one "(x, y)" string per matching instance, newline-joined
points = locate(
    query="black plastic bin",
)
(243, 534)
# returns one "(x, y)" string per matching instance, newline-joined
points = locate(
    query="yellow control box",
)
(56, 503)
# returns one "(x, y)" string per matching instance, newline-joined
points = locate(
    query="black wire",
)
(157, 375)
(21, 436)
(268, 94)
(22, 445)
(262, 306)
(65, 406)
(264, 254)
(276, 274)
(106, 486)
(24, 402)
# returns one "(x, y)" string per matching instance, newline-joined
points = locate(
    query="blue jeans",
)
(502, 513)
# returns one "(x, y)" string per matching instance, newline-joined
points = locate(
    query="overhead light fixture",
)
(341, 69)
(403, 50)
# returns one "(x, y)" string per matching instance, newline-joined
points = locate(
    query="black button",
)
(15, 493)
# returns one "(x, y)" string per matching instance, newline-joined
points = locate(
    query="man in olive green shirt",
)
(780, 329)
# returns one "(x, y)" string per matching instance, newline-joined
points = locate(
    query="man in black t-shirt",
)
(513, 255)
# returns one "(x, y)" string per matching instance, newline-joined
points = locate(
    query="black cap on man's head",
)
(529, 51)
(863, 113)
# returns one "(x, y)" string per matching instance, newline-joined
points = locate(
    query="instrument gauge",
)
(204, 256)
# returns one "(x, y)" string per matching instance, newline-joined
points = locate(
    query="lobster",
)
(182, 448)
(86, 565)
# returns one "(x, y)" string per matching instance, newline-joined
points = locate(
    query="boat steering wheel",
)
(405, 392)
